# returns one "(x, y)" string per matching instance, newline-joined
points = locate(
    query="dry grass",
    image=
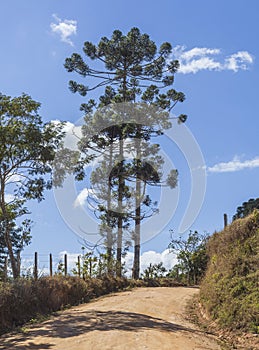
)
(230, 289)
(25, 299)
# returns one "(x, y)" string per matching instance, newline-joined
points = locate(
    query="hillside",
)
(230, 289)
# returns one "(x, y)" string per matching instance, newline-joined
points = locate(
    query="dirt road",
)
(144, 318)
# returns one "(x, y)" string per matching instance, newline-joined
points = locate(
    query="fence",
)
(59, 266)
(36, 265)
(83, 265)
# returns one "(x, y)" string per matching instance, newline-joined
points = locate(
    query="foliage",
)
(246, 208)
(229, 291)
(93, 266)
(154, 271)
(192, 257)
(27, 151)
(60, 268)
(132, 64)
(20, 235)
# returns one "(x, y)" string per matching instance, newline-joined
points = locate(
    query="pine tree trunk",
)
(120, 208)
(136, 264)
(109, 228)
(121, 180)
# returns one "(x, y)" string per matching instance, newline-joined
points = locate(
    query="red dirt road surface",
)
(144, 318)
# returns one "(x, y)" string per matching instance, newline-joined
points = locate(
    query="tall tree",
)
(146, 170)
(27, 150)
(96, 138)
(134, 71)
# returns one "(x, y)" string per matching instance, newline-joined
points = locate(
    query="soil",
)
(144, 318)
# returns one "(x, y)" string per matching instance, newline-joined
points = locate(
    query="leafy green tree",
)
(246, 208)
(89, 265)
(191, 255)
(134, 71)
(27, 151)
(174, 273)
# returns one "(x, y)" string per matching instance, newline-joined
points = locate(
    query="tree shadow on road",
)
(16, 344)
(82, 322)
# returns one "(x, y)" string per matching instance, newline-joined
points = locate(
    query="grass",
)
(25, 300)
(230, 289)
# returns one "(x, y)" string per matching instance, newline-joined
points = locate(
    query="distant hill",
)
(230, 289)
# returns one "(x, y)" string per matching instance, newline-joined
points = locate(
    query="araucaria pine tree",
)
(134, 71)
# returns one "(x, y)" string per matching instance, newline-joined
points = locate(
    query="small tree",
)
(154, 271)
(191, 255)
(27, 150)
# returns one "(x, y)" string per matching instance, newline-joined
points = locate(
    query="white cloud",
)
(9, 197)
(82, 197)
(14, 178)
(239, 60)
(168, 259)
(65, 29)
(67, 126)
(204, 63)
(203, 58)
(73, 134)
(234, 165)
(197, 52)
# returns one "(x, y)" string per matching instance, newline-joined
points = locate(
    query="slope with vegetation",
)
(230, 289)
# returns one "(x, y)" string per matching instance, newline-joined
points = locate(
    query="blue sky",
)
(217, 45)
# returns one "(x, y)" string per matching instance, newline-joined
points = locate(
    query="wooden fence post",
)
(50, 265)
(177, 274)
(79, 266)
(36, 265)
(65, 264)
(225, 220)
